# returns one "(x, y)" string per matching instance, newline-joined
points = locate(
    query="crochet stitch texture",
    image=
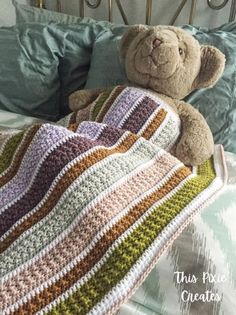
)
(86, 210)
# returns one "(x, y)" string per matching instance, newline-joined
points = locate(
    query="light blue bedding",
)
(205, 250)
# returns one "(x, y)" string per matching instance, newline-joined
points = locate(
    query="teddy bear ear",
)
(212, 67)
(129, 36)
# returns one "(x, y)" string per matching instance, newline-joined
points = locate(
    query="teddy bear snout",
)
(156, 42)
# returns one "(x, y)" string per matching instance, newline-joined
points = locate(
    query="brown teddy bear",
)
(170, 63)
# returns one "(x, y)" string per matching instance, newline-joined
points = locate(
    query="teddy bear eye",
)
(181, 51)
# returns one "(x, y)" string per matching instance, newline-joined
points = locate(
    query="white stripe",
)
(53, 185)
(97, 238)
(55, 182)
(140, 270)
(118, 241)
(37, 134)
(149, 258)
(34, 174)
(69, 190)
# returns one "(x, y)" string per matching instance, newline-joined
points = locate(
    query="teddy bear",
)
(170, 63)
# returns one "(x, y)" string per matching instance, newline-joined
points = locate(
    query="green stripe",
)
(101, 100)
(9, 151)
(130, 250)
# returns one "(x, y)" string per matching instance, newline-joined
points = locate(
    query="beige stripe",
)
(62, 185)
(55, 289)
(77, 240)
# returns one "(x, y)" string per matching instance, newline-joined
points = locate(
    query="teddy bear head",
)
(168, 60)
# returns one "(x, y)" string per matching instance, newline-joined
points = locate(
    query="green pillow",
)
(218, 104)
(41, 64)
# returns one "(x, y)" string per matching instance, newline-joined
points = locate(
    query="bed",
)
(197, 274)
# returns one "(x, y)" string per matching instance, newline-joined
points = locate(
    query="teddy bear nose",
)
(157, 42)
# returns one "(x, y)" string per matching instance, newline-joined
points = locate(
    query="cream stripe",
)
(91, 170)
(78, 238)
(56, 180)
(118, 241)
(216, 184)
(100, 234)
(133, 279)
(170, 120)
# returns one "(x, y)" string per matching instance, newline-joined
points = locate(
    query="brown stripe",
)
(107, 104)
(155, 124)
(72, 125)
(62, 185)
(52, 292)
(23, 146)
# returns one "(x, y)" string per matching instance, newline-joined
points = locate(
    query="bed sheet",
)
(15, 121)
(200, 266)
(12, 123)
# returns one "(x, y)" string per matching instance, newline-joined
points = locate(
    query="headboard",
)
(94, 4)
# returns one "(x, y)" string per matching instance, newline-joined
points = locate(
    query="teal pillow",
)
(106, 67)
(41, 64)
(218, 104)
(29, 82)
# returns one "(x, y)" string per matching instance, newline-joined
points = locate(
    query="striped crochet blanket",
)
(85, 214)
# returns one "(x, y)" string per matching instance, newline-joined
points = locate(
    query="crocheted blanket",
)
(86, 213)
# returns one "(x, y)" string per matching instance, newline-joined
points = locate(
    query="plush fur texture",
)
(171, 63)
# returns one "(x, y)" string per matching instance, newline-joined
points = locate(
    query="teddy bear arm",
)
(196, 144)
(82, 98)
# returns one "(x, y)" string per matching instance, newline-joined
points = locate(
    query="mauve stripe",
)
(90, 224)
(99, 177)
(46, 174)
(51, 292)
(111, 135)
(124, 102)
(61, 186)
(140, 115)
(43, 140)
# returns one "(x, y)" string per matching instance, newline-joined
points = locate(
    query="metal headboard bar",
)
(95, 3)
